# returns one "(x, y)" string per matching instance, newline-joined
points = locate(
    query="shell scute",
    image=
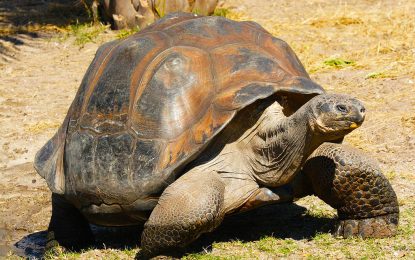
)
(237, 64)
(110, 96)
(112, 158)
(145, 159)
(203, 129)
(178, 92)
(79, 158)
(279, 49)
(211, 32)
(177, 150)
(169, 20)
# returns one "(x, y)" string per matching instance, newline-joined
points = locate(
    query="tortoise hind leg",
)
(352, 183)
(68, 227)
(189, 207)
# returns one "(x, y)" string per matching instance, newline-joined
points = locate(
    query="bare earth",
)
(39, 77)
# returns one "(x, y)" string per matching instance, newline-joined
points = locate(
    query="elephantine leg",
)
(351, 182)
(67, 227)
(192, 205)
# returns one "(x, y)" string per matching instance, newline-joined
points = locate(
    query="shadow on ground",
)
(26, 17)
(279, 221)
(20, 14)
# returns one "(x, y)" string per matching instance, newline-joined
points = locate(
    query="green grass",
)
(266, 244)
(376, 75)
(320, 246)
(160, 8)
(126, 32)
(407, 222)
(338, 62)
(201, 257)
(224, 12)
(85, 32)
(58, 253)
(317, 208)
(110, 254)
(391, 175)
(323, 239)
(281, 247)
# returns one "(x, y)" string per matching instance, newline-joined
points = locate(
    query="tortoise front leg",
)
(192, 205)
(351, 182)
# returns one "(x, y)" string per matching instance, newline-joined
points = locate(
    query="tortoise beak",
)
(357, 117)
(353, 126)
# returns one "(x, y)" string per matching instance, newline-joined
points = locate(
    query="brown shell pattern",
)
(151, 102)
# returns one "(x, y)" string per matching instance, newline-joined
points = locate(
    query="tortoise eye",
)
(342, 108)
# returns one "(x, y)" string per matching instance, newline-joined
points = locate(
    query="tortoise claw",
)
(376, 227)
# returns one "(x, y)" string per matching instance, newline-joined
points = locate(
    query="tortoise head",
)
(335, 115)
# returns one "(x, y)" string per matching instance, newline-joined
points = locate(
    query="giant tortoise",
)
(195, 118)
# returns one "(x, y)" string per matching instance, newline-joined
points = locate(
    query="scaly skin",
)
(192, 205)
(351, 182)
(270, 152)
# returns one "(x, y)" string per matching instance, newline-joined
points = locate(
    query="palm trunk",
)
(140, 13)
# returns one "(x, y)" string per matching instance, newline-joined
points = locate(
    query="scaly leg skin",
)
(67, 228)
(192, 205)
(351, 182)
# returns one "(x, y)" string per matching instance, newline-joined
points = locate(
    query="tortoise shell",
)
(150, 103)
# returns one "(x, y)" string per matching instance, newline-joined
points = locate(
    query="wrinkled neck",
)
(280, 146)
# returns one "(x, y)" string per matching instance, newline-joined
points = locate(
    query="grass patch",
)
(59, 253)
(376, 75)
(319, 209)
(324, 239)
(224, 12)
(390, 175)
(91, 254)
(202, 257)
(230, 14)
(53, 16)
(338, 63)
(160, 8)
(124, 33)
(337, 21)
(407, 223)
(280, 247)
(85, 32)
(266, 244)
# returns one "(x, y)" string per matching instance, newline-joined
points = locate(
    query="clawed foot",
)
(377, 227)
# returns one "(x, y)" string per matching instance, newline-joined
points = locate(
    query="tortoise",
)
(195, 118)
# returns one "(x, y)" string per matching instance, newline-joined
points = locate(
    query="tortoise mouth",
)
(339, 127)
(349, 122)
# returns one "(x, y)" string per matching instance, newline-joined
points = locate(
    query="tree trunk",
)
(140, 13)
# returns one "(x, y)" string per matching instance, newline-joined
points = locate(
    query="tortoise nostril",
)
(362, 110)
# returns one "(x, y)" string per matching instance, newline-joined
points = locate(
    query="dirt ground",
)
(370, 43)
